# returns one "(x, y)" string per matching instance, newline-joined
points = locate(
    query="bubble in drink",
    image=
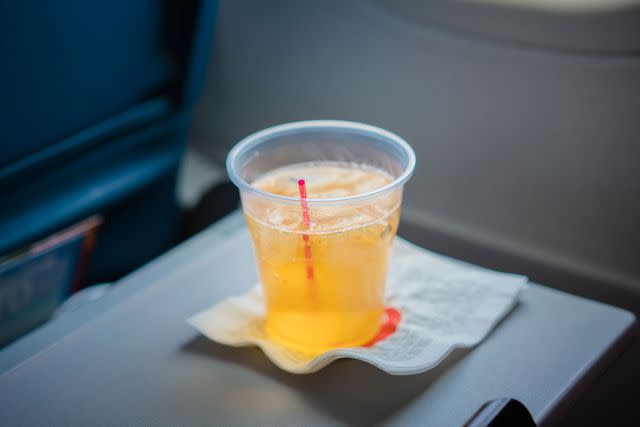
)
(342, 304)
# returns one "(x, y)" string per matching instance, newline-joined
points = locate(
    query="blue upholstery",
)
(70, 63)
(95, 108)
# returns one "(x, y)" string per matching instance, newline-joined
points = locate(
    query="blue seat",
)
(71, 63)
(96, 103)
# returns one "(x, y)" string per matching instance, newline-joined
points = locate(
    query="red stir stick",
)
(306, 220)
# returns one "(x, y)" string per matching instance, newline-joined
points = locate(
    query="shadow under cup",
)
(323, 282)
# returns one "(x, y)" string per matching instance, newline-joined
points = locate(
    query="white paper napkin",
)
(443, 303)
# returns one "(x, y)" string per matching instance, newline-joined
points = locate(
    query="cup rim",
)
(259, 137)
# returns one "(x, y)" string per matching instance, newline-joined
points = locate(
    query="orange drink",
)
(341, 305)
(322, 204)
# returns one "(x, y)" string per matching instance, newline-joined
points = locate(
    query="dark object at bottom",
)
(217, 202)
(501, 412)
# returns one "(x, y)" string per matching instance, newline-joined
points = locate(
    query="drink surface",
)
(341, 305)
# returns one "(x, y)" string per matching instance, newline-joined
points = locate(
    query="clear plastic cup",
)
(323, 280)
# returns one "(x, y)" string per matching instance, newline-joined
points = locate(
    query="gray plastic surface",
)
(605, 27)
(137, 362)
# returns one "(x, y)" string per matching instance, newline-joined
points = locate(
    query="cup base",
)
(321, 333)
